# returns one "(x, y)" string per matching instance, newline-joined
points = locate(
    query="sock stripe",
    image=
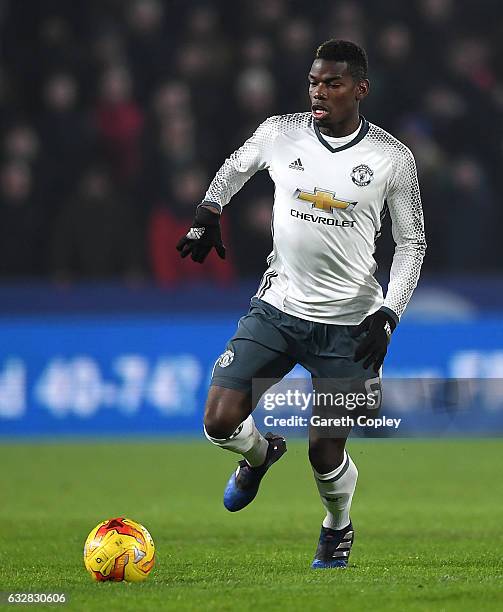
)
(220, 441)
(337, 476)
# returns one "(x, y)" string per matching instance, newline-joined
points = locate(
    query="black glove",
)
(379, 327)
(202, 236)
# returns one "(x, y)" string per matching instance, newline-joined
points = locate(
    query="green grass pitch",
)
(427, 514)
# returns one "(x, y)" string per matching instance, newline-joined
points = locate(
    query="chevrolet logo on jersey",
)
(324, 200)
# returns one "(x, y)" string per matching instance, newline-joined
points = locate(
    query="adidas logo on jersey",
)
(296, 165)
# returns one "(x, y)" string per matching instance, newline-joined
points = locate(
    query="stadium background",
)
(115, 115)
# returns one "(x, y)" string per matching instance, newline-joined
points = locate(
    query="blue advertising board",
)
(115, 375)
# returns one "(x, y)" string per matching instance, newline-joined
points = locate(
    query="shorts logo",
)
(362, 175)
(225, 359)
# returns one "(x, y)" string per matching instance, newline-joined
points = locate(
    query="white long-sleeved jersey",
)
(328, 206)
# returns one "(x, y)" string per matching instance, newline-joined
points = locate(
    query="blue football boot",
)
(243, 484)
(333, 548)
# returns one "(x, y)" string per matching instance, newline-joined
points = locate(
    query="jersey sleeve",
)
(404, 204)
(253, 156)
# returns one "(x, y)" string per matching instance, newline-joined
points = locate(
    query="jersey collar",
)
(360, 136)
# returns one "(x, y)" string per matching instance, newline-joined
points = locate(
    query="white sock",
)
(336, 491)
(246, 440)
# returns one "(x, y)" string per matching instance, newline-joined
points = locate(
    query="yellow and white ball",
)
(119, 549)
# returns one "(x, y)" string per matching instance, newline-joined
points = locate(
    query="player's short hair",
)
(345, 51)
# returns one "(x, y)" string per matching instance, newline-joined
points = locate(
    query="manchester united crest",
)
(225, 359)
(362, 175)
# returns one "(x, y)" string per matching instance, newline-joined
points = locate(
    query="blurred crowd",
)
(115, 115)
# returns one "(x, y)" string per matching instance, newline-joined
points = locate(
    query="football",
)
(119, 549)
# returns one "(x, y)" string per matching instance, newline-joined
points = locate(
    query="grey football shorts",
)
(269, 343)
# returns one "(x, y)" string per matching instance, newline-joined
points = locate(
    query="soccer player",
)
(318, 304)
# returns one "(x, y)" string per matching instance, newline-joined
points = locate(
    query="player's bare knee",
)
(224, 413)
(216, 423)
